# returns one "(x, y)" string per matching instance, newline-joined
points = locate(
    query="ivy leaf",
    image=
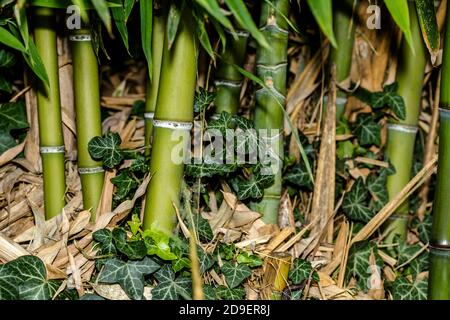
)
(301, 271)
(210, 170)
(252, 188)
(157, 243)
(209, 292)
(203, 99)
(7, 59)
(13, 115)
(376, 184)
(34, 289)
(298, 176)
(358, 265)
(134, 250)
(354, 203)
(223, 123)
(6, 141)
(225, 293)
(367, 130)
(180, 264)
(5, 85)
(203, 228)
(251, 260)
(139, 164)
(205, 260)
(407, 252)
(391, 99)
(106, 148)
(170, 288)
(235, 274)
(403, 289)
(424, 228)
(130, 275)
(104, 236)
(125, 184)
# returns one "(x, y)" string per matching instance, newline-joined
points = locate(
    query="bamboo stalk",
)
(402, 134)
(173, 120)
(276, 271)
(158, 32)
(49, 115)
(228, 78)
(88, 117)
(439, 277)
(272, 69)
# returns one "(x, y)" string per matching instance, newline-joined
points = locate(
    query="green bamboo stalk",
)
(439, 277)
(228, 78)
(272, 69)
(158, 32)
(174, 109)
(88, 117)
(402, 134)
(341, 56)
(49, 114)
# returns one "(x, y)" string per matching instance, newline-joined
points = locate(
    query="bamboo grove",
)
(218, 170)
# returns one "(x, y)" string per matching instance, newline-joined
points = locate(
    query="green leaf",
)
(140, 164)
(251, 260)
(180, 264)
(203, 100)
(173, 21)
(125, 184)
(11, 41)
(209, 292)
(240, 12)
(213, 8)
(134, 249)
(358, 264)
(146, 12)
(424, 228)
(235, 274)
(5, 85)
(203, 169)
(202, 35)
(130, 275)
(301, 271)
(367, 130)
(6, 141)
(354, 203)
(106, 148)
(222, 124)
(170, 288)
(34, 61)
(252, 188)
(323, 13)
(33, 289)
(120, 16)
(134, 224)
(376, 184)
(104, 236)
(298, 176)
(426, 12)
(102, 9)
(203, 228)
(13, 116)
(400, 12)
(157, 243)
(225, 293)
(7, 59)
(403, 289)
(205, 260)
(391, 99)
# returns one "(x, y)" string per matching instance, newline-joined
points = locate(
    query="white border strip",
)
(228, 83)
(174, 125)
(49, 150)
(402, 128)
(149, 115)
(272, 67)
(444, 113)
(90, 170)
(80, 37)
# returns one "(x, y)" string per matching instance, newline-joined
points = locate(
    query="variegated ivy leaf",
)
(301, 271)
(354, 204)
(415, 262)
(224, 122)
(376, 184)
(358, 264)
(107, 149)
(139, 164)
(130, 275)
(403, 289)
(203, 100)
(252, 188)
(134, 250)
(205, 260)
(209, 170)
(124, 183)
(225, 293)
(33, 289)
(170, 288)
(203, 228)
(104, 236)
(209, 292)
(424, 228)
(389, 98)
(367, 130)
(180, 264)
(12, 116)
(298, 176)
(235, 274)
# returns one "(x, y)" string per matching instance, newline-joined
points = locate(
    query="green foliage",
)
(252, 188)
(107, 149)
(225, 293)
(400, 12)
(323, 12)
(302, 270)
(170, 287)
(358, 264)
(133, 249)
(354, 204)
(235, 273)
(403, 289)
(25, 278)
(248, 259)
(203, 99)
(367, 130)
(157, 243)
(125, 183)
(13, 116)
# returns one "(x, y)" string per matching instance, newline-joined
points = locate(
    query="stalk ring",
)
(402, 128)
(175, 125)
(80, 37)
(91, 170)
(49, 150)
(149, 115)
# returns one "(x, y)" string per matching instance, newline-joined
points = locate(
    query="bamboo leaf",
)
(426, 12)
(35, 62)
(129, 275)
(239, 10)
(173, 21)
(354, 204)
(212, 7)
(22, 21)
(403, 289)
(102, 9)
(235, 274)
(121, 16)
(146, 11)
(107, 149)
(11, 41)
(203, 36)
(226, 293)
(323, 13)
(301, 271)
(400, 12)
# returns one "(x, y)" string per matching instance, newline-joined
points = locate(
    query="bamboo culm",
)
(158, 32)
(171, 126)
(439, 277)
(272, 69)
(88, 116)
(49, 114)
(402, 134)
(228, 78)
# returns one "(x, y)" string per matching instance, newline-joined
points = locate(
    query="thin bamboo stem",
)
(49, 114)
(276, 272)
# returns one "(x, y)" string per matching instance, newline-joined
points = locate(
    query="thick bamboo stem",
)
(49, 114)
(402, 134)
(173, 120)
(88, 117)
(158, 32)
(276, 272)
(272, 69)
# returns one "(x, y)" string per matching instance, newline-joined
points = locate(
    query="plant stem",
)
(402, 134)
(228, 79)
(49, 115)
(158, 32)
(174, 109)
(88, 117)
(439, 277)
(276, 272)
(272, 69)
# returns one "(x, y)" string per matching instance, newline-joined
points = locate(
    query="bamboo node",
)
(91, 170)
(402, 128)
(57, 149)
(80, 37)
(175, 125)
